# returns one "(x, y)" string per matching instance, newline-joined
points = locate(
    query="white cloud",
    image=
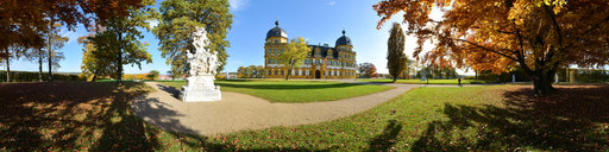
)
(236, 5)
(331, 3)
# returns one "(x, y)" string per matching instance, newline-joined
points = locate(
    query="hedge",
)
(27, 76)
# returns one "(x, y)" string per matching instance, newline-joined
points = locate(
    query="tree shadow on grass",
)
(573, 119)
(75, 116)
(385, 140)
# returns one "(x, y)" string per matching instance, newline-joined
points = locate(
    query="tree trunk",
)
(40, 65)
(8, 67)
(542, 82)
(95, 75)
(287, 76)
(120, 59)
(395, 78)
(50, 37)
(476, 74)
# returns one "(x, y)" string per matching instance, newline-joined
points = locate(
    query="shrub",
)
(27, 76)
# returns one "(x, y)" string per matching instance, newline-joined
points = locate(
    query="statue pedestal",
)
(201, 89)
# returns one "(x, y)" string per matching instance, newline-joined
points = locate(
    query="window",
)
(269, 61)
(276, 41)
(268, 51)
(281, 72)
(275, 72)
(269, 72)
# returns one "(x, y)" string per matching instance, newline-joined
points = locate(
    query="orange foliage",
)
(21, 21)
(540, 36)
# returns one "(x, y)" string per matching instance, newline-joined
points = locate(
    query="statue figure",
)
(202, 70)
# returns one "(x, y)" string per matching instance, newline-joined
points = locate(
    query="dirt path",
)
(239, 111)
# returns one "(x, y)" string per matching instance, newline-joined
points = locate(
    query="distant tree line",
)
(252, 71)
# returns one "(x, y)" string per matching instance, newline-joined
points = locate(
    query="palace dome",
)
(343, 40)
(276, 32)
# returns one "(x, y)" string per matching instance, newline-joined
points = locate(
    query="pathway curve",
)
(239, 111)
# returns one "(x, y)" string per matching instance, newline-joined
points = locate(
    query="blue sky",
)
(318, 21)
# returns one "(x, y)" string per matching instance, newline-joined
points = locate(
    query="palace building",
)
(322, 62)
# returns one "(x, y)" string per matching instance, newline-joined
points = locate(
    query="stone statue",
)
(201, 75)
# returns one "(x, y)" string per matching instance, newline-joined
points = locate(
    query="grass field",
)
(431, 81)
(294, 91)
(96, 117)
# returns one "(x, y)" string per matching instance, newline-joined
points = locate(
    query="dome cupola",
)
(276, 32)
(343, 40)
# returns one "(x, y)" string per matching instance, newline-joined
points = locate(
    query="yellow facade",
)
(322, 62)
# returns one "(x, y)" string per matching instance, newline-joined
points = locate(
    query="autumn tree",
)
(54, 42)
(396, 59)
(38, 54)
(294, 55)
(13, 52)
(120, 39)
(540, 36)
(259, 71)
(367, 70)
(23, 20)
(181, 18)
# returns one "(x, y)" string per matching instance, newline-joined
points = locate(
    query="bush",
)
(26, 76)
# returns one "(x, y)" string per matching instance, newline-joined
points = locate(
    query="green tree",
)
(259, 71)
(181, 18)
(93, 63)
(241, 72)
(120, 39)
(153, 75)
(396, 59)
(294, 55)
(252, 72)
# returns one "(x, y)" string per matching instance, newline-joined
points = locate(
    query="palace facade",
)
(322, 62)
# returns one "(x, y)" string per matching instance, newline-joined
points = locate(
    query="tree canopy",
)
(540, 36)
(119, 40)
(21, 21)
(367, 70)
(294, 54)
(180, 18)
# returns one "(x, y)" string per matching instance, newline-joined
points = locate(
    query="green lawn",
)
(431, 81)
(496, 118)
(295, 91)
(97, 117)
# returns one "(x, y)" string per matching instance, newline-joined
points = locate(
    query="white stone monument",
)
(203, 63)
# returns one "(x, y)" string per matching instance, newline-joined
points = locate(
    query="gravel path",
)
(239, 111)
